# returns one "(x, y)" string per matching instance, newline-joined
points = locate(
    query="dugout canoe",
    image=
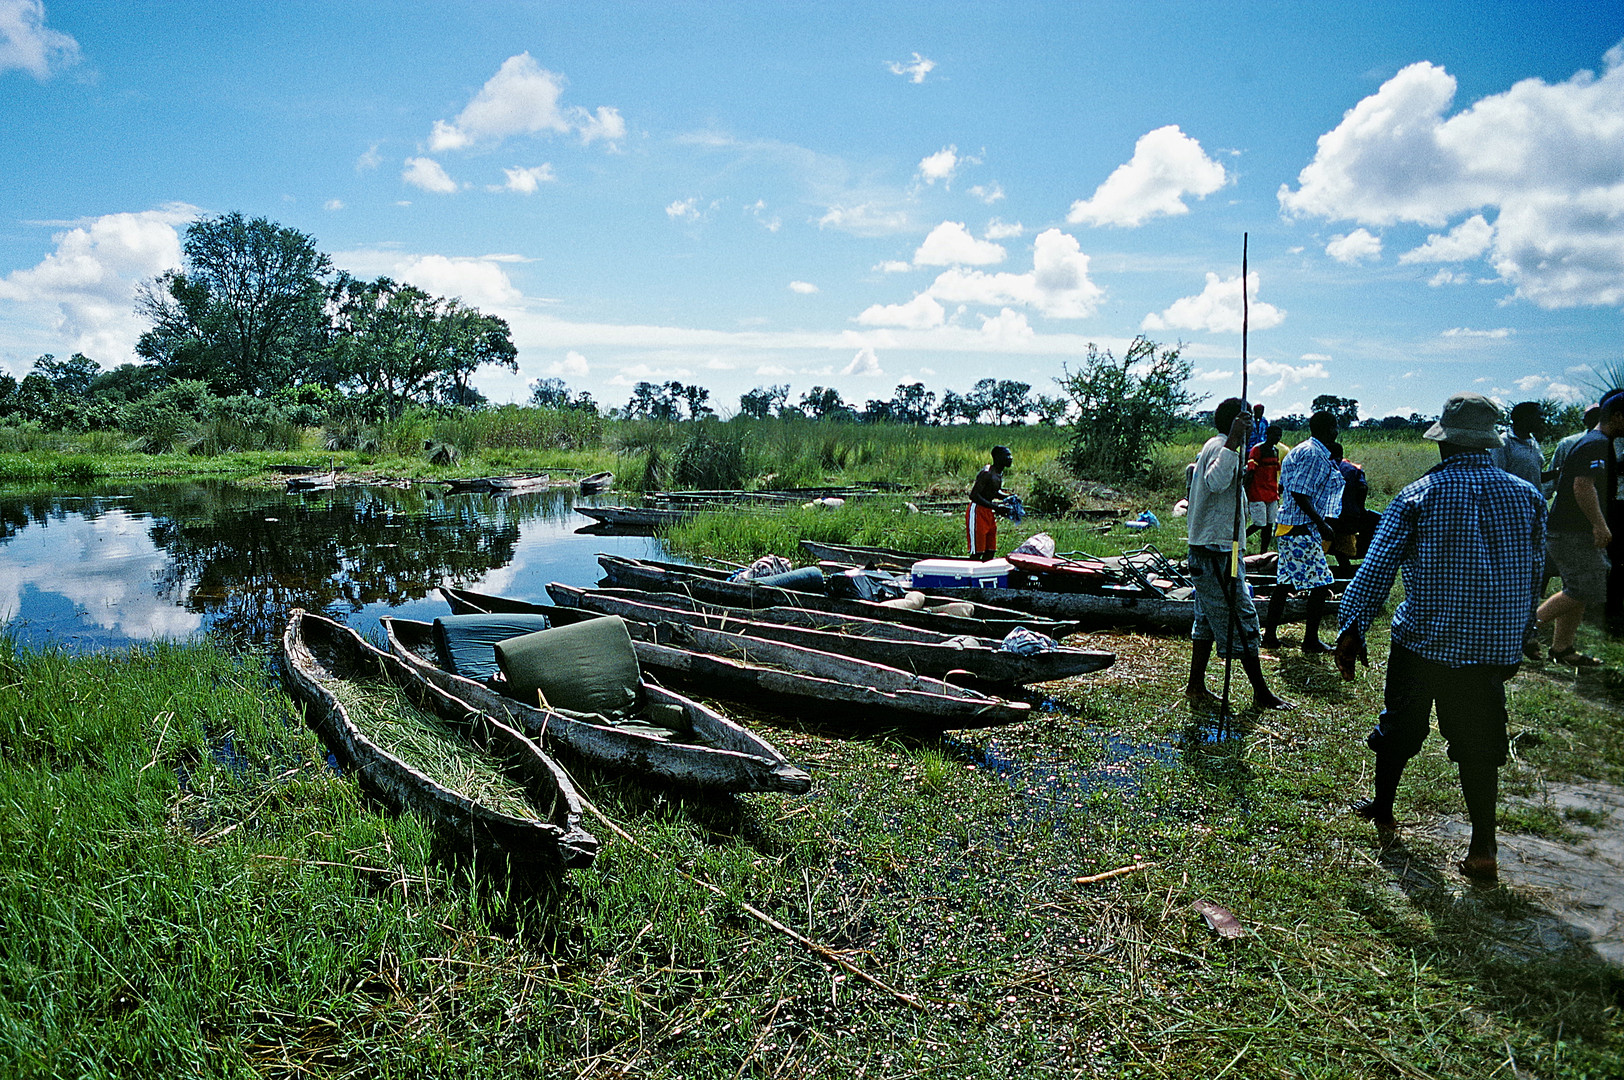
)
(498, 485)
(850, 694)
(712, 587)
(598, 481)
(319, 654)
(980, 658)
(634, 517)
(713, 754)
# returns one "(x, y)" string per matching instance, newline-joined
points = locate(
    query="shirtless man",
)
(986, 503)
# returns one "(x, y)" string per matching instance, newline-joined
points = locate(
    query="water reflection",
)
(95, 568)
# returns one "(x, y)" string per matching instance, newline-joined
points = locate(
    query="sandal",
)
(1573, 658)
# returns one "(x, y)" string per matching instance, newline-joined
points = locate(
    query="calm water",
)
(105, 566)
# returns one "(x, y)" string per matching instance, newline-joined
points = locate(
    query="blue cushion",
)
(467, 643)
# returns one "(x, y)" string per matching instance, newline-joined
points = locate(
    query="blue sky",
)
(858, 195)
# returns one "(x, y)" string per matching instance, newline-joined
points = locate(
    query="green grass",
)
(264, 918)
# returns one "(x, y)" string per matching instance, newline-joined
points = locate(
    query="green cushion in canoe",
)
(467, 643)
(588, 667)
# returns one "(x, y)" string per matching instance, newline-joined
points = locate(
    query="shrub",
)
(1124, 407)
(712, 458)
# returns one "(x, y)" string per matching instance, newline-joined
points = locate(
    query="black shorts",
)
(1471, 704)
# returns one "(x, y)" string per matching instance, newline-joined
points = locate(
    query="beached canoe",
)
(498, 485)
(706, 750)
(712, 587)
(598, 481)
(328, 664)
(979, 658)
(850, 694)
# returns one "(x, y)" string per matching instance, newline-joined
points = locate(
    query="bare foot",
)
(1202, 698)
(1386, 824)
(1270, 700)
(1481, 869)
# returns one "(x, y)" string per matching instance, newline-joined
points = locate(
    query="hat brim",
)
(1468, 437)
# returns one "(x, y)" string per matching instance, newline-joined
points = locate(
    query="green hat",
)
(1468, 420)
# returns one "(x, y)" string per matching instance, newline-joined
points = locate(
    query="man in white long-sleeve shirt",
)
(1224, 613)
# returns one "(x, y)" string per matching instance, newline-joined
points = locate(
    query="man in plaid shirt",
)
(1470, 540)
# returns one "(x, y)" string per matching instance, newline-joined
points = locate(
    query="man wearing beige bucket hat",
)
(1470, 540)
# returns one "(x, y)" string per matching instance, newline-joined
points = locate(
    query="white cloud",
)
(1446, 277)
(426, 173)
(1214, 376)
(805, 288)
(1058, 285)
(333, 204)
(1355, 247)
(573, 365)
(940, 166)
(920, 313)
(479, 281)
(1166, 166)
(1002, 230)
(369, 160)
(894, 266)
(758, 210)
(636, 373)
(864, 219)
(27, 45)
(683, 210)
(85, 289)
(950, 244)
(1467, 240)
(1285, 374)
(1007, 326)
(774, 371)
(988, 193)
(915, 69)
(864, 365)
(526, 181)
(1461, 331)
(522, 98)
(1543, 386)
(1548, 157)
(1217, 309)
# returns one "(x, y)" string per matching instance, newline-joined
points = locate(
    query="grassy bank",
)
(187, 887)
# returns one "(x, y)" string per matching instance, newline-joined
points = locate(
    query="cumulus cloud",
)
(920, 313)
(940, 166)
(864, 219)
(1549, 158)
(1166, 166)
(522, 98)
(1002, 230)
(526, 181)
(988, 193)
(333, 204)
(369, 160)
(758, 210)
(479, 280)
(1464, 332)
(865, 364)
(1286, 375)
(1006, 327)
(1354, 248)
(1217, 309)
(86, 288)
(1058, 285)
(636, 373)
(1467, 240)
(894, 266)
(573, 365)
(28, 45)
(805, 288)
(950, 244)
(426, 173)
(683, 210)
(915, 69)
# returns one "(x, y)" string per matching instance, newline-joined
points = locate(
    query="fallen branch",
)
(756, 913)
(1118, 872)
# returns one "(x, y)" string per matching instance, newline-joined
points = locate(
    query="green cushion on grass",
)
(467, 643)
(589, 667)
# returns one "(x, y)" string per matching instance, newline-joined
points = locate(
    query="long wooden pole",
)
(1237, 580)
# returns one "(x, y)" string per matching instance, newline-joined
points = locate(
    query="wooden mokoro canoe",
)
(977, 657)
(715, 754)
(797, 682)
(319, 482)
(712, 587)
(599, 481)
(498, 485)
(634, 517)
(320, 653)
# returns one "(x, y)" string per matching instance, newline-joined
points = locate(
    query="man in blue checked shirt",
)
(1470, 540)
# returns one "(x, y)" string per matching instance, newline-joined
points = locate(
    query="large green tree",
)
(1122, 406)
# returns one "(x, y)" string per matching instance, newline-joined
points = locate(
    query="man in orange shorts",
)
(986, 503)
